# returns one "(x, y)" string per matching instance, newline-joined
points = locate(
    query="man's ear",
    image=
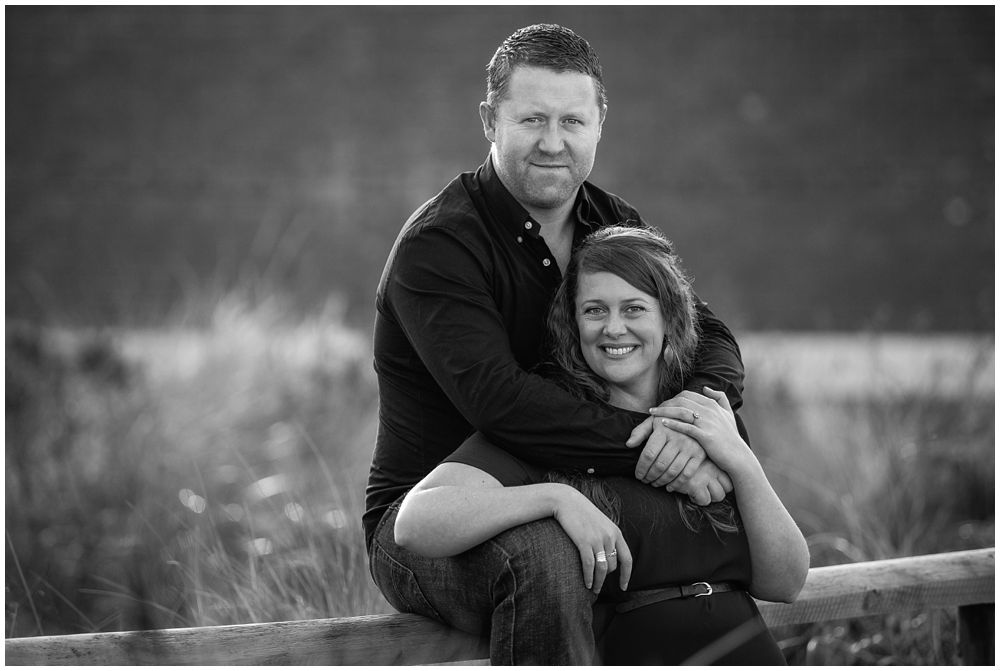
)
(600, 125)
(488, 115)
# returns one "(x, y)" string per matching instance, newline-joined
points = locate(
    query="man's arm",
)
(718, 363)
(442, 298)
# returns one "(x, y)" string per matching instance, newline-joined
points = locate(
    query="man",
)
(461, 309)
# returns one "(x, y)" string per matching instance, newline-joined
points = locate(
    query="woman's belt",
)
(644, 597)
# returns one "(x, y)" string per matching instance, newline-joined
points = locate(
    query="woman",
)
(623, 331)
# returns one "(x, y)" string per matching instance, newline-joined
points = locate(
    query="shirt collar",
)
(512, 215)
(585, 212)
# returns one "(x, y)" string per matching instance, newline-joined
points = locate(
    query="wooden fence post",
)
(976, 631)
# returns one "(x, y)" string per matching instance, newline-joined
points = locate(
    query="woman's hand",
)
(596, 537)
(708, 419)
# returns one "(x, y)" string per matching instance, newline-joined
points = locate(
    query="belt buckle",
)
(707, 586)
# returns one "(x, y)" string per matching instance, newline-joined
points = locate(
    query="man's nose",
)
(551, 141)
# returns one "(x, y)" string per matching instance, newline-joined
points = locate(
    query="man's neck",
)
(555, 219)
(557, 230)
(557, 226)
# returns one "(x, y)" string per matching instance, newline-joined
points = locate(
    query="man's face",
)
(544, 133)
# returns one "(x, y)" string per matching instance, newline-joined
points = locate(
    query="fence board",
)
(889, 586)
(851, 590)
(366, 639)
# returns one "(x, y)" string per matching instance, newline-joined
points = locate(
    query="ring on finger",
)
(694, 416)
(613, 553)
(602, 556)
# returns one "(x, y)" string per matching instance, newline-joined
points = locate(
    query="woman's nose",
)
(614, 326)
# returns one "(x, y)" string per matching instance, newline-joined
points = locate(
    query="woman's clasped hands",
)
(709, 420)
(673, 457)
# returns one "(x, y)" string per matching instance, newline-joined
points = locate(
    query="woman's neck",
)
(639, 401)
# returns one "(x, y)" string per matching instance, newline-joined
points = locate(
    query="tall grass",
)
(187, 477)
(214, 475)
(880, 447)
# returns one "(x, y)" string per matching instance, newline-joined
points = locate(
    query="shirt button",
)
(527, 225)
(520, 239)
(546, 263)
(590, 471)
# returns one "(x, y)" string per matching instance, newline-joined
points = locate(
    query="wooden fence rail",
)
(963, 580)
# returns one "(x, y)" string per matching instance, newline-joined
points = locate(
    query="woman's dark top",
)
(665, 552)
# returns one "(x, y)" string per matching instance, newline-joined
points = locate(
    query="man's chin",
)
(551, 198)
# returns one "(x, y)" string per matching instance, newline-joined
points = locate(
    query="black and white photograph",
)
(500, 334)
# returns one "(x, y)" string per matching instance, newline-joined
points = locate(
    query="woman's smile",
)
(619, 351)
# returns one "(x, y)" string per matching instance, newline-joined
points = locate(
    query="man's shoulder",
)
(451, 209)
(444, 234)
(608, 208)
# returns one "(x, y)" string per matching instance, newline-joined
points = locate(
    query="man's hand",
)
(708, 484)
(677, 462)
(668, 455)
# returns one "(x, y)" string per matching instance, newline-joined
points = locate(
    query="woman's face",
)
(621, 336)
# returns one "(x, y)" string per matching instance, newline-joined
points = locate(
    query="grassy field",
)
(186, 477)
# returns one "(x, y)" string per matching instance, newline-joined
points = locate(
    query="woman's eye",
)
(635, 309)
(593, 312)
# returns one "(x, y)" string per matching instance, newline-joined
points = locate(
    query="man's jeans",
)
(524, 589)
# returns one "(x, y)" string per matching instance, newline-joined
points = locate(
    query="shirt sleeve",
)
(442, 297)
(718, 363)
(509, 470)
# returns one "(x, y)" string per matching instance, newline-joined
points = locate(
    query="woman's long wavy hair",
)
(644, 258)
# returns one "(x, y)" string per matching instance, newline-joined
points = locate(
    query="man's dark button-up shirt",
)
(460, 318)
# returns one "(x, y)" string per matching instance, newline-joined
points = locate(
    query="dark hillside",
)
(818, 167)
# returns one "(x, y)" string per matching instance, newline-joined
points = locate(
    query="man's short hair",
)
(543, 45)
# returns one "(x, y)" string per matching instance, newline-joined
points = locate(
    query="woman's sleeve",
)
(479, 452)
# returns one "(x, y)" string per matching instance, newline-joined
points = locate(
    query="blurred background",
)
(199, 202)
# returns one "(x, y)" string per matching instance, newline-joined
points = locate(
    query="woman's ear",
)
(672, 359)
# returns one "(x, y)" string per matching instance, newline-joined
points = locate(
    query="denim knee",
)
(546, 560)
(543, 612)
